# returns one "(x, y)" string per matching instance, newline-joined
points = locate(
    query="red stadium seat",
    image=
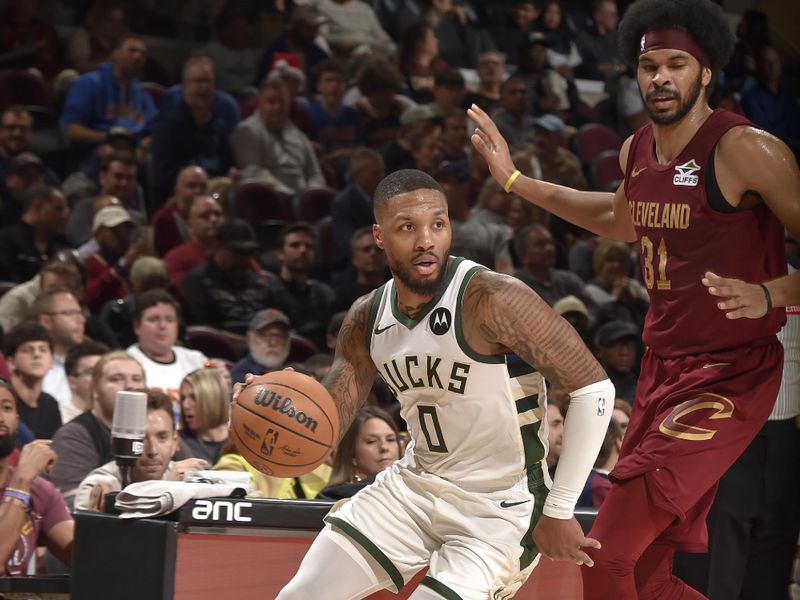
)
(605, 170)
(17, 86)
(213, 342)
(314, 204)
(156, 91)
(592, 139)
(255, 201)
(300, 348)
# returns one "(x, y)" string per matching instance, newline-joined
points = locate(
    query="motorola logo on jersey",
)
(440, 321)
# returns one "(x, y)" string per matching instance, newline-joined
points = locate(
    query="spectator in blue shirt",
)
(770, 104)
(110, 96)
(191, 132)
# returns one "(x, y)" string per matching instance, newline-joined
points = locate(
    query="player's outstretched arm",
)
(510, 316)
(744, 155)
(602, 213)
(353, 371)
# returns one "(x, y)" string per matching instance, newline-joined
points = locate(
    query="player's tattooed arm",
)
(510, 315)
(353, 371)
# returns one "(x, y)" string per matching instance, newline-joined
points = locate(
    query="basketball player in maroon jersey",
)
(705, 197)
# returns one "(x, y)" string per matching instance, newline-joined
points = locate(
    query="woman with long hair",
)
(420, 60)
(205, 402)
(370, 445)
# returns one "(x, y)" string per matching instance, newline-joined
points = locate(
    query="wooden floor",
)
(245, 567)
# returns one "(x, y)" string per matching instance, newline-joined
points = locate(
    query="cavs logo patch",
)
(684, 421)
(685, 174)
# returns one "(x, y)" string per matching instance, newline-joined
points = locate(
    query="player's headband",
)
(676, 39)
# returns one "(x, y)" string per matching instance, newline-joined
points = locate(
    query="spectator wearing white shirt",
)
(156, 317)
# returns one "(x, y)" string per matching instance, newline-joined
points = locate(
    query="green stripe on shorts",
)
(440, 588)
(537, 487)
(371, 548)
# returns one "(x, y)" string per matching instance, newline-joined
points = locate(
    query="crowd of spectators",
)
(186, 197)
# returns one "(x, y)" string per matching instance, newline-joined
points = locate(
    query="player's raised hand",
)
(562, 539)
(736, 297)
(491, 145)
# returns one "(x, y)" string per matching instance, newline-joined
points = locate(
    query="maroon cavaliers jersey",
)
(681, 236)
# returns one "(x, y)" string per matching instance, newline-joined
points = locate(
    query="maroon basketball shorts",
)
(692, 418)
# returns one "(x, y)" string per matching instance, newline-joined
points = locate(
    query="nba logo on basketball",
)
(269, 441)
(601, 407)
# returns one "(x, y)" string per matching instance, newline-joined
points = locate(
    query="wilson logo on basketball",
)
(285, 406)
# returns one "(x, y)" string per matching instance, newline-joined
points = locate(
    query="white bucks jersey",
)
(474, 419)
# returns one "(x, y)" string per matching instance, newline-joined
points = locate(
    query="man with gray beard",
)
(267, 343)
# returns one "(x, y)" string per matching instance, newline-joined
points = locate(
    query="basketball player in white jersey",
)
(466, 352)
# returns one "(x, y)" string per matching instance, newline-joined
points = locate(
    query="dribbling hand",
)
(737, 298)
(562, 539)
(491, 145)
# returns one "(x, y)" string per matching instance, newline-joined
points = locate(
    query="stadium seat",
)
(156, 91)
(314, 204)
(592, 139)
(300, 348)
(18, 86)
(255, 201)
(212, 342)
(605, 170)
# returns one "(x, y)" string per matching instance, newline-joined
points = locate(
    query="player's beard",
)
(684, 105)
(422, 287)
(7, 444)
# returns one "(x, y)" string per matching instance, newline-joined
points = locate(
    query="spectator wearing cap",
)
(558, 164)
(308, 303)
(416, 123)
(576, 314)
(191, 133)
(369, 262)
(491, 72)
(169, 223)
(472, 238)
(381, 104)
(109, 267)
(268, 345)
(351, 209)
(333, 128)
(204, 218)
(513, 117)
(117, 177)
(537, 253)
(269, 141)
(224, 291)
(298, 44)
(353, 24)
(616, 345)
(155, 323)
(109, 96)
(20, 174)
(29, 244)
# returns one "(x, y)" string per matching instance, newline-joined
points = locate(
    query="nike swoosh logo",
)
(379, 331)
(635, 172)
(505, 504)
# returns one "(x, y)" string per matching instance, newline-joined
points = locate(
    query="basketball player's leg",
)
(626, 526)
(654, 578)
(335, 569)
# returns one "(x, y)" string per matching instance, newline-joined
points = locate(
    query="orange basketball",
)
(284, 423)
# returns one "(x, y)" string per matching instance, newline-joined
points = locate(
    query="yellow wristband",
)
(511, 179)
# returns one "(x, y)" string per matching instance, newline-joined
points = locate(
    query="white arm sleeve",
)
(585, 427)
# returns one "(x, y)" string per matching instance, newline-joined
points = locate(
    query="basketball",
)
(284, 423)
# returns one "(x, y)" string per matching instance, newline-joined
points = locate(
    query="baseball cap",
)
(570, 304)
(419, 112)
(110, 216)
(551, 123)
(268, 316)
(22, 161)
(237, 235)
(615, 331)
(118, 131)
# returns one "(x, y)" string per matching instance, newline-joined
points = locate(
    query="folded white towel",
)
(157, 497)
